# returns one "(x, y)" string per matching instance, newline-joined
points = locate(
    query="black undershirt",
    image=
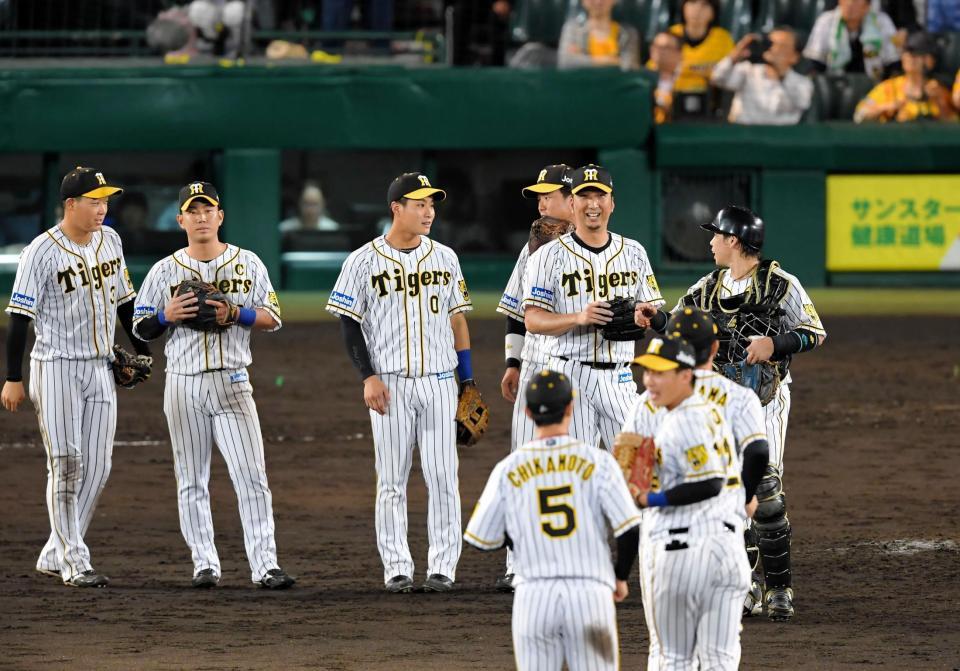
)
(125, 315)
(595, 250)
(755, 457)
(515, 327)
(356, 346)
(16, 345)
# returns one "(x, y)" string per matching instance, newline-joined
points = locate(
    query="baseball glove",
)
(206, 317)
(636, 455)
(545, 229)
(622, 326)
(472, 417)
(129, 370)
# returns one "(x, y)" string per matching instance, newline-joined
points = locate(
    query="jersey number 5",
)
(560, 508)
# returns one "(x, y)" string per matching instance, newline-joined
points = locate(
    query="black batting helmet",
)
(741, 223)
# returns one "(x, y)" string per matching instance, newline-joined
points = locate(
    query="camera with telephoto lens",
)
(758, 47)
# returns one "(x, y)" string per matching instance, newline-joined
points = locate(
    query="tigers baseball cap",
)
(194, 190)
(413, 185)
(592, 176)
(87, 182)
(696, 327)
(552, 178)
(548, 393)
(668, 353)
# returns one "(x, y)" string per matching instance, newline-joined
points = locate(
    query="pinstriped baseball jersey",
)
(237, 273)
(798, 308)
(693, 443)
(404, 302)
(554, 497)
(72, 292)
(739, 406)
(511, 305)
(564, 275)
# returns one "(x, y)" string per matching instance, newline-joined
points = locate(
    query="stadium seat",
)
(540, 20)
(848, 90)
(949, 60)
(737, 17)
(798, 14)
(649, 17)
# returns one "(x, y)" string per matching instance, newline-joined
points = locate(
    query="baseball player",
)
(694, 571)
(567, 285)
(208, 397)
(401, 300)
(72, 281)
(740, 408)
(764, 317)
(552, 499)
(555, 205)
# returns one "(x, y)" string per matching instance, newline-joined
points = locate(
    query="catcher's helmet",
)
(741, 223)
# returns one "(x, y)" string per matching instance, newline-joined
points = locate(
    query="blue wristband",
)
(247, 316)
(162, 319)
(464, 365)
(656, 499)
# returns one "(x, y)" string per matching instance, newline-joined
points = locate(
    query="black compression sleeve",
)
(659, 321)
(756, 455)
(693, 492)
(356, 346)
(792, 342)
(628, 546)
(125, 315)
(518, 328)
(151, 328)
(16, 345)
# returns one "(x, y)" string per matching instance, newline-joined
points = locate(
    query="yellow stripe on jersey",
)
(103, 293)
(423, 350)
(93, 303)
(481, 541)
(633, 520)
(593, 292)
(406, 324)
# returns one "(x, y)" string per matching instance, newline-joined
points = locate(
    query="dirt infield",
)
(870, 451)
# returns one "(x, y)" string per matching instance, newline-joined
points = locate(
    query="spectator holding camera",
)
(768, 90)
(596, 40)
(854, 37)
(914, 95)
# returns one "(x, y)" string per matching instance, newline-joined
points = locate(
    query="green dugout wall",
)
(251, 114)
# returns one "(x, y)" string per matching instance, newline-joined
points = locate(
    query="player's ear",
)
(528, 413)
(714, 348)
(180, 221)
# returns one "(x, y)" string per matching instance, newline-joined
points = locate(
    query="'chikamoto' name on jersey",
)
(559, 463)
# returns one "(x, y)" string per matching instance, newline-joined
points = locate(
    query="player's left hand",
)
(510, 383)
(623, 589)
(760, 349)
(751, 507)
(12, 395)
(643, 313)
(227, 313)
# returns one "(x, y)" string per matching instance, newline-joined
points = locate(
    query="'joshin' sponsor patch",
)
(19, 300)
(239, 376)
(625, 376)
(445, 376)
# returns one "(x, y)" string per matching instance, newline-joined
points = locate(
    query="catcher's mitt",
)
(636, 455)
(545, 229)
(206, 317)
(129, 370)
(622, 326)
(472, 417)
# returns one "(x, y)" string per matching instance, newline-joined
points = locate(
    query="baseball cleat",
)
(505, 583)
(276, 578)
(49, 572)
(779, 604)
(437, 582)
(400, 584)
(88, 578)
(753, 603)
(205, 579)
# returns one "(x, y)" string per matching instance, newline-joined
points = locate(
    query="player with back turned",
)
(570, 286)
(401, 300)
(764, 317)
(72, 282)
(553, 499)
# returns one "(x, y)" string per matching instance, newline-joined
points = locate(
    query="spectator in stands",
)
(704, 44)
(377, 14)
(665, 52)
(311, 215)
(854, 37)
(943, 16)
(770, 92)
(956, 91)
(597, 40)
(481, 31)
(914, 95)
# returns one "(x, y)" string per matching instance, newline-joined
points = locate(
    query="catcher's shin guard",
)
(750, 540)
(773, 530)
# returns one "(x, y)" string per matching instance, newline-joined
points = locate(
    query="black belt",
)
(683, 530)
(596, 365)
(215, 370)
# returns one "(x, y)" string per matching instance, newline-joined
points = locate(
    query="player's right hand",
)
(643, 313)
(181, 307)
(595, 314)
(623, 589)
(12, 395)
(376, 395)
(510, 383)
